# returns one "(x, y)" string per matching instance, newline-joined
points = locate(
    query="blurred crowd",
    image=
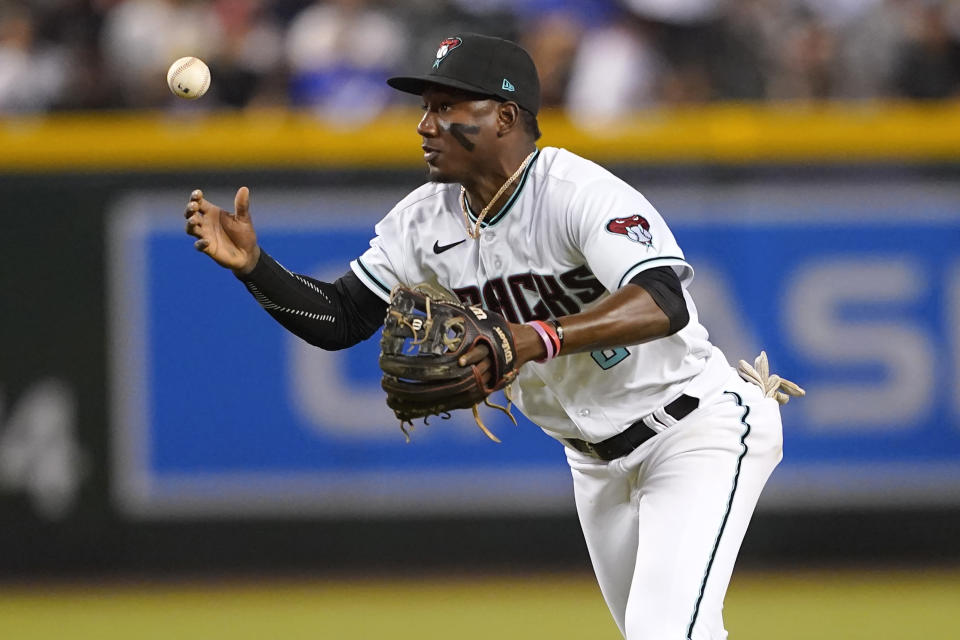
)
(597, 58)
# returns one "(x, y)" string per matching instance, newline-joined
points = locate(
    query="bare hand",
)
(226, 237)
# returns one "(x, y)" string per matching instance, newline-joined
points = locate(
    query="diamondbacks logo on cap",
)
(635, 227)
(446, 46)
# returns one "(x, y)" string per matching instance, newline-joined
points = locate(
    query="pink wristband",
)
(548, 340)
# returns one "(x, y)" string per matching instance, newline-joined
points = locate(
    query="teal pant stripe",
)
(726, 514)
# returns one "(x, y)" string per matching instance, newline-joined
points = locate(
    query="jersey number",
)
(607, 358)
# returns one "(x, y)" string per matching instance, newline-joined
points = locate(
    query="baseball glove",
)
(424, 337)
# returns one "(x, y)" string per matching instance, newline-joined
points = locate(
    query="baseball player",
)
(668, 446)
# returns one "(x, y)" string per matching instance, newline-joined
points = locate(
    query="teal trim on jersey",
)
(627, 272)
(726, 514)
(513, 197)
(372, 277)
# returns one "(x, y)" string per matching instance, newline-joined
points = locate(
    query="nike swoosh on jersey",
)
(438, 248)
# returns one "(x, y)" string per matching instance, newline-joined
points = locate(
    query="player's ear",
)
(508, 118)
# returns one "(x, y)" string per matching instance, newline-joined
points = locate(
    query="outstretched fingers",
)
(194, 204)
(241, 203)
(226, 237)
(194, 219)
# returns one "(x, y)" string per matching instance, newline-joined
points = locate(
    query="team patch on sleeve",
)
(635, 228)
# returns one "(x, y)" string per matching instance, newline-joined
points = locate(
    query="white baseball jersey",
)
(662, 542)
(570, 234)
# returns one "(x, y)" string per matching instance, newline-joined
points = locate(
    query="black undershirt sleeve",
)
(327, 315)
(663, 285)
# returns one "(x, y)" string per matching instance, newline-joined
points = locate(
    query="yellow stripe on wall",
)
(723, 133)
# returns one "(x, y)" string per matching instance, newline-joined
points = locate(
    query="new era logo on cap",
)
(507, 86)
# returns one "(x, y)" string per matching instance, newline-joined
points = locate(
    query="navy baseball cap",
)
(481, 64)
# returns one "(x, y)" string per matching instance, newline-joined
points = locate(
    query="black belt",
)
(634, 435)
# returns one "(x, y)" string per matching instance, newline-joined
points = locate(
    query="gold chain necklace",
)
(474, 232)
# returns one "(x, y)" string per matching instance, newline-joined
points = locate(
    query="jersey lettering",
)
(518, 283)
(469, 296)
(496, 298)
(608, 358)
(555, 296)
(583, 284)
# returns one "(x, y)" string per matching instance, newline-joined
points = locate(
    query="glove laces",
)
(772, 385)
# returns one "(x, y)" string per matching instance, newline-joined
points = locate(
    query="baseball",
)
(189, 78)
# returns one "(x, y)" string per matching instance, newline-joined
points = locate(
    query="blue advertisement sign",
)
(217, 409)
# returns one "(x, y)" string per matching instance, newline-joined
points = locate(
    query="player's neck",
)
(484, 187)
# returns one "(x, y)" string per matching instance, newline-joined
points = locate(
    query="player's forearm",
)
(327, 315)
(629, 316)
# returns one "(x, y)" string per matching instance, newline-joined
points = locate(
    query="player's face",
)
(458, 129)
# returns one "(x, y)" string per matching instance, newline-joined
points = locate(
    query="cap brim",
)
(417, 84)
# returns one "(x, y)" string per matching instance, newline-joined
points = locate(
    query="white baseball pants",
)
(664, 524)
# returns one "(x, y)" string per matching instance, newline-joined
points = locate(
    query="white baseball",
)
(189, 78)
